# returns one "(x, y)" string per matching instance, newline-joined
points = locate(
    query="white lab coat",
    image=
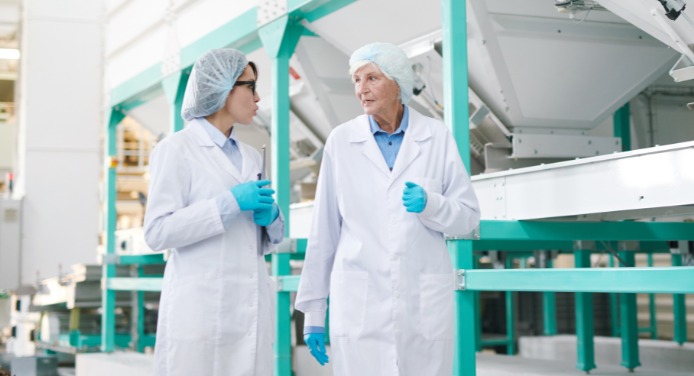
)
(216, 314)
(388, 272)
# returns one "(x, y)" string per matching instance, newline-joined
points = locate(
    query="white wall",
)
(59, 122)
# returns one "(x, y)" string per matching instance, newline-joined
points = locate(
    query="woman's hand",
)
(316, 344)
(250, 195)
(265, 217)
(414, 198)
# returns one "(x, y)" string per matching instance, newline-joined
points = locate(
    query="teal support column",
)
(652, 306)
(629, 319)
(549, 309)
(175, 88)
(614, 310)
(622, 126)
(108, 297)
(679, 308)
(138, 331)
(510, 318)
(457, 118)
(478, 313)
(585, 345)
(279, 38)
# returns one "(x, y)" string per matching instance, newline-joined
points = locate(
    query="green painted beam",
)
(629, 324)
(456, 117)
(549, 309)
(594, 231)
(156, 258)
(510, 317)
(668, 280)
(679, 307)
(622, 126)
(614, 310)
(288, 283)
(495, 342)
(135, 284)
(585, 344)
(108, 297)
(653, 329)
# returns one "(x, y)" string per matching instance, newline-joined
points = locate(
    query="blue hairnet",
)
(393, 60)
(210, 82)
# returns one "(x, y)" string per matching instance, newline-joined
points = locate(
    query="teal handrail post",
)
(622, 126)
(614, 310)
(510, 329)
(652, 306)
(108, 297)
(679, 308)
(174, 87)
(628, 313)
(280, 38)
(457, 118)
(585, 345)
(549, 304)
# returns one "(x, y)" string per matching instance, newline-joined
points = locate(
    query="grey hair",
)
(361, 63)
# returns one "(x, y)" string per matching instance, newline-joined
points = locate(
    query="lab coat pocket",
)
(348, 293)
(436, 300)
(191, 312)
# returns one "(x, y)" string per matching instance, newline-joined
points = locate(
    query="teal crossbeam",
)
(135, 284)
(595, 231)
(670, 280)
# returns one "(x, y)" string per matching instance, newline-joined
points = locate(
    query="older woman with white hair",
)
(391, 184)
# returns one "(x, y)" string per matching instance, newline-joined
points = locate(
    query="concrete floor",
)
(653, 354)
(134, 364)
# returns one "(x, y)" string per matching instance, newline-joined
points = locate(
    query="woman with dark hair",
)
(216, 314)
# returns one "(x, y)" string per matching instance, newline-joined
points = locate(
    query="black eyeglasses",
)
(251, 84)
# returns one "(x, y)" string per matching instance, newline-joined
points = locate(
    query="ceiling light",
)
(9, 53)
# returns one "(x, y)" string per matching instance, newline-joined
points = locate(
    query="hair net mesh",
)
(210, 82)
(393, 60)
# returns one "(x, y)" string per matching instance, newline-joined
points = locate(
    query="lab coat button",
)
(249, 219)
(248, 334)
(250, 304)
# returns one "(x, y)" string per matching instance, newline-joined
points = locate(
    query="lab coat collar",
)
(418, 130)
(204, 140)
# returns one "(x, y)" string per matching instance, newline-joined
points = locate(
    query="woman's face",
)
(241, 102)
(374, 90)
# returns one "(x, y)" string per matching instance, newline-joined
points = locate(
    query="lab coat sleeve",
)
(170, 221)
(228, 208)
(274, 234)
(455, 211)
(314, 286)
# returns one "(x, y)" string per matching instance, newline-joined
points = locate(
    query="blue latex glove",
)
(414, 198)
(250, 196)
(265, 217)
(316, 343)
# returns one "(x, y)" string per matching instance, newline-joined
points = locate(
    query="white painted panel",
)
(204, 17)
(647, 178)
(8, 142)
(10, 237)
(362, 22)
(90, 11)
(113, 5)
(132, 21)
(558, 69)
(140, 55)
(60, 121)
(44, 86)
(60, 212)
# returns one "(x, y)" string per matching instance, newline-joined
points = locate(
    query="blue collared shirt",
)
(390, 143)
(226, 202)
